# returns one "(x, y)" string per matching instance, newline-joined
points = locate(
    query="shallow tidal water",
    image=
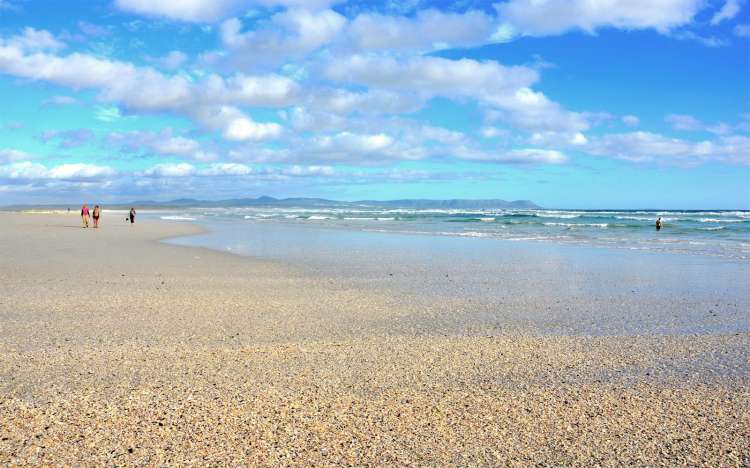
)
(486, 285)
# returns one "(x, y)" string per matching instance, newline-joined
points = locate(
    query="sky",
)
(569, 103)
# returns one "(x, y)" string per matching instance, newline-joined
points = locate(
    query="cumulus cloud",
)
(551, 17)
(651, 147)
(684, 122)
(75, 171)
(207, 11)
(163, 143)
(287, 35)
(33, 40)
(513, 156)
(226, 169)
(431, 75)
(688, 123)
(170, 170)
(506, 90)
(182, 10)
(12, 155)
(307, 171)
(220, 169)
(428, 29)
(244, 128)
(145, 89)
(172, 61)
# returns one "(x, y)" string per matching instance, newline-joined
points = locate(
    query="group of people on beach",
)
(96, 214)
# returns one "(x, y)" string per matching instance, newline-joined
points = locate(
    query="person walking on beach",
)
(85, 215)
(95, 215)
(658, 224)
(132, 215)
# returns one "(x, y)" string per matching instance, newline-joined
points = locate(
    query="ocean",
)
(713, 233)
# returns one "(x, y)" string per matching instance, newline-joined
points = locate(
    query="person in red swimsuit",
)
(85, 215)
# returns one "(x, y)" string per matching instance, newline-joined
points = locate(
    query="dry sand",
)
(117, 349)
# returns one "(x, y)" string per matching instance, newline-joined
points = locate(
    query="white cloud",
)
(531, 110)
(226, 169)
(207, 11)
(79, 171)
(107, 113)
(12, 155)
(431, 75)
(172, 61)
(164, 143)
(374, 101)
(182, 10)
(684, 122)
(505, 90)
(306, 171)
(303, 120)
(179, 146)
(648, 147)
(346, 141)
(727, 12)
(289, 34)
(267, 90)
(513, 156)
(74, 171)
(33, 40)
(170, 170)
(147, 90)
(244, 128)
(493, 132)
(631, 120)
(428, 29)
(708, 41)
(551, 17)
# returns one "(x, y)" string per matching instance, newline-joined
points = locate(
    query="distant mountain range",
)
(324, 203)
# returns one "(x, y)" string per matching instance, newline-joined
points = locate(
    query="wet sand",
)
(118, 349)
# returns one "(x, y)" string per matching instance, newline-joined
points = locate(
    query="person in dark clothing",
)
(658, 224)
(132, 215)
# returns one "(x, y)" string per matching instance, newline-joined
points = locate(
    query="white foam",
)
(599, 225)
(715, 220)
(486, 220)
(554, 215)
(177, 218)
(316, 217)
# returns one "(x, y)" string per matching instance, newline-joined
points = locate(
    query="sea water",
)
(713, 233)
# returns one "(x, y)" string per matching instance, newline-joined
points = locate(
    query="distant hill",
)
(324, 203)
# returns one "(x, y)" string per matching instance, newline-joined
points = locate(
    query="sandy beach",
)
(118, 349)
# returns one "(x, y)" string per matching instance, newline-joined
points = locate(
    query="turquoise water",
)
(715, 233)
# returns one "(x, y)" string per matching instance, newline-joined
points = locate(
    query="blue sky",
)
(570, 103)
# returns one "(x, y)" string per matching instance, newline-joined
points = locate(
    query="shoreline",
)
(118, 348)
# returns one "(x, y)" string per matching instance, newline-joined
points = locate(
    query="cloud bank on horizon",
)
(566, 102)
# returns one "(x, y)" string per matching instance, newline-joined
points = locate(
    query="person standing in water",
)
(132, 215)
(85, 215)
(97, 212)
(658, 224)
